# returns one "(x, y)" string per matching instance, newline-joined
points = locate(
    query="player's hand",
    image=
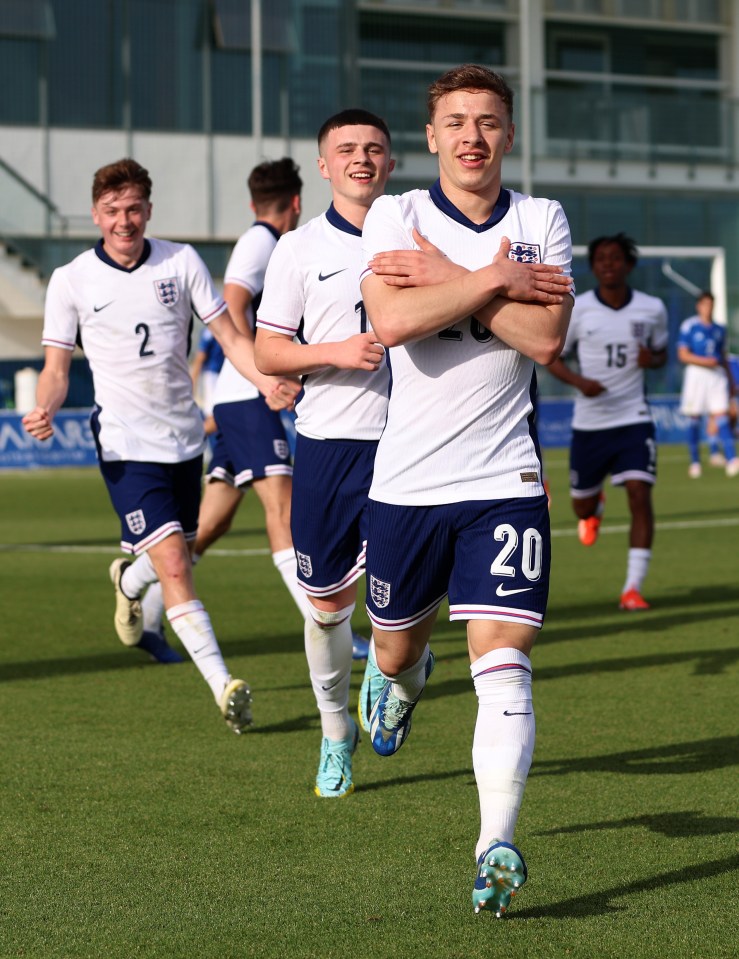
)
(529, 282)
(426, 266)
(360, 352)
(38, 423)
(591, 387)
(282, 394)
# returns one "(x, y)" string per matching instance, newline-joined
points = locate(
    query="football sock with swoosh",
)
(504, 740)
(287, 567)
(328, 649)
(192, 624)
(637, 568)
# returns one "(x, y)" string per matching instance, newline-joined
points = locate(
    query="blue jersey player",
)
(708, 386)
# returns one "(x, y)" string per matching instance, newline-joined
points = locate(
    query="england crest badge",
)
(136, 521)
(304, 564)
(168, 290)
(525, 252)
(380, 592)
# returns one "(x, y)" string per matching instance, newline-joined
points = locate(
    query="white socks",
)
(152, 606)
(287, 566)
(328, 649)
(137, 576)
(504, 740)
(410, 683)
(192, 625)
(637, 569)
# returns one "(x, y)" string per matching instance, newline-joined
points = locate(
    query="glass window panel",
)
(19, 81)
(32, 19)
(231, 91)
(167, 38)
(422, 39)
(85, 79)
(232, 22)
(573, 53)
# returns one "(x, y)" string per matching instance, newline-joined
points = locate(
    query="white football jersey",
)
(246, 267)
(461, 408)
(606, 343)
(135, 326)
(312, 291)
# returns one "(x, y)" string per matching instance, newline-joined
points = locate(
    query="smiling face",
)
(121, 216)
(610, 266)
(356, 160)
(471, 131)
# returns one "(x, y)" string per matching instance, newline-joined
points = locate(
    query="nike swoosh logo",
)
(502, 591)
(97, 309)
(507, 713)
(331, 686)
(328, 276)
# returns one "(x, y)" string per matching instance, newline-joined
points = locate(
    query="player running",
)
(616, 333)
(456, 286)
(312, 292)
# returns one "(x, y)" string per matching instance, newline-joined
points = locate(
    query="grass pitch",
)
(133, 823)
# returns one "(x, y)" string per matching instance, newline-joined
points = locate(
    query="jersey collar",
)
(337, 220)
(268, 226)
(502, 206)
(626, 302)
(102, 255)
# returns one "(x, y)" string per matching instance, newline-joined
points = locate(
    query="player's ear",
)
(430, 138)
(323, 169)
(391, 165)
(510, 137)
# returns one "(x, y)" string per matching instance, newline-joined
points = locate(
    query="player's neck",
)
(614, 296)
(477, 207)
(126, 260)
(354, 213)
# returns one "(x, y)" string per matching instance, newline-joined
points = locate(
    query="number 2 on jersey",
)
(143, 331)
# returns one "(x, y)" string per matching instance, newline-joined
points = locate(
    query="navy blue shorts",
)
(154, 500)
(492, 557)
(626, 452)
(251, 443)
(329, 511)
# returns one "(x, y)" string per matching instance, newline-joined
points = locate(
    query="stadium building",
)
(626, 111)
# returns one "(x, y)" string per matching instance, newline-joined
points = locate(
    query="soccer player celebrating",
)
(312, 292)
(616, 333)
(708, 386)
(129, 302)
(466, 284)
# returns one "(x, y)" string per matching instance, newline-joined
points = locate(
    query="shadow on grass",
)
(674, 825)
(599, 903)
(420, 778)
(698, 756)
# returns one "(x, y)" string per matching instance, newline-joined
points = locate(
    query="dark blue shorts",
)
(492, 557)
(329, 511)
(626, 452)
(154, 500)
(250, 444)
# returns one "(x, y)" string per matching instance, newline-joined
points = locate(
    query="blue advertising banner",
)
(73, 444)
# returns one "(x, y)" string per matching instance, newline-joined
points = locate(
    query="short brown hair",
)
(274, 183)
(115, 177)
(469, 76)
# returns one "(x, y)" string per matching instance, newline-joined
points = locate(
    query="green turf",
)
(134, 824)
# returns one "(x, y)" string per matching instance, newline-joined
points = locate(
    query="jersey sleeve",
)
(558, 248)
(283, 298)
(247, 264)
(572, 335)
(683, 336)
(383, 230)
(205, 299)
(61, 319)
(660, 336)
